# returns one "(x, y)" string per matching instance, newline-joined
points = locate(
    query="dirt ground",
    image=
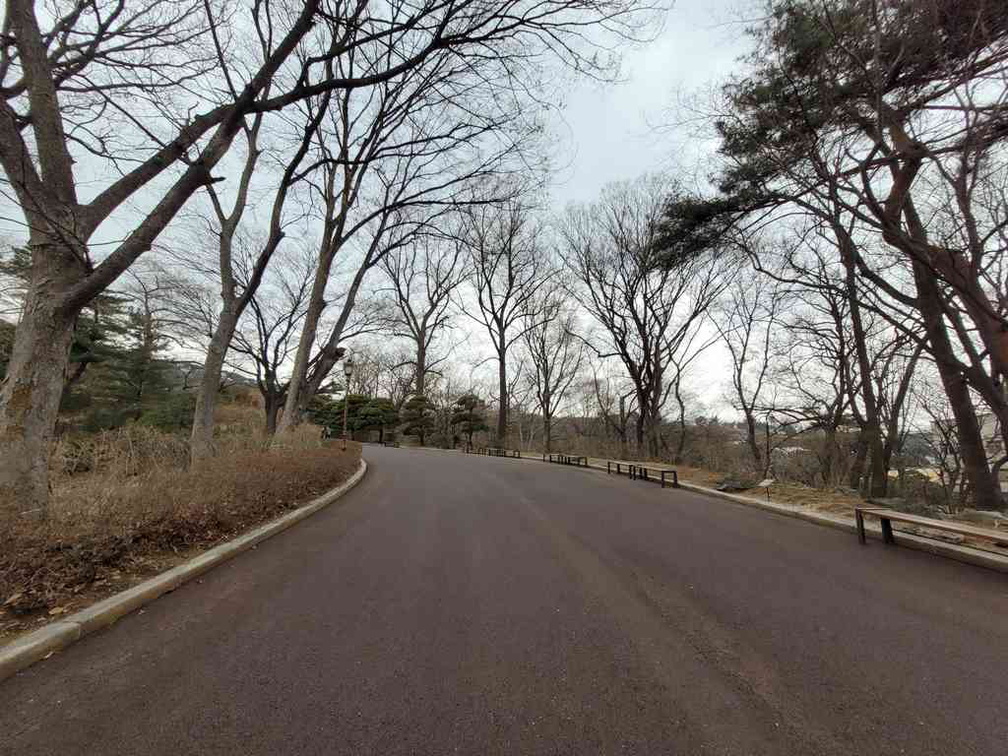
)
(47, 575)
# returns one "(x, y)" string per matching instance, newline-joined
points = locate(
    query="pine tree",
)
(329, 413)
(418, 417)
(100, 326)
(468, 415)
(379, 413)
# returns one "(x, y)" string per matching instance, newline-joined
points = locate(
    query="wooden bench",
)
(887, 516)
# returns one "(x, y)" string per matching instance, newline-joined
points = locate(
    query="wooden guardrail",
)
(494, 451)
(641, 472)
(566, 459)
(633, 471)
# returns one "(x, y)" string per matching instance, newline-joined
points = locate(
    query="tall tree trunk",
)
(986, 491)
(29, 405)
(860, 457)
(273, 402)
(829, 457)
(547, 433)
(892, 440)
(754, 447)
(681, 443)
(624, 448)
(878, 480)
(61, 282)
(201, 444)
(299, 373)
(654, 444)
(30, 392)
(420, 382)
(502, 414)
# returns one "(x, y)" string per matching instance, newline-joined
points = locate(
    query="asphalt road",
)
(465, 605)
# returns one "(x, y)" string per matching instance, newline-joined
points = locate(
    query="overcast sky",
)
(619, 131)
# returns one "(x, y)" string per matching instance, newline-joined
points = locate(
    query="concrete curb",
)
(40, 644)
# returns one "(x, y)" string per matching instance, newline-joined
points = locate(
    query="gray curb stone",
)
(41, 643)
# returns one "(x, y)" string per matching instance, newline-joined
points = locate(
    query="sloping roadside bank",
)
(37, 645)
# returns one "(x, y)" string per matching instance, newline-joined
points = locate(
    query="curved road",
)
(465, 605)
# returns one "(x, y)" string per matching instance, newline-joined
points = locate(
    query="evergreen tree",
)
(468, 414)
(142, 378)
(418, 417)
(379, 413)
(329, 413)
(118, 372)
(97, 333)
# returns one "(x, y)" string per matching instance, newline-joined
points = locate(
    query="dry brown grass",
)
(116, 454)
(785, 492)
(782, 492)
(124, 504)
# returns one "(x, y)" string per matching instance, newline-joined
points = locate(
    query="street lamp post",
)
(347, 372)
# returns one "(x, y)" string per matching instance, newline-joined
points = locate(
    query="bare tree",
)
(391, 161)
(941, 438)
(556, 354)
(240, 278)
(814, 376)
(509, 269)
(649, 307)
(397, 378)
(382, 370)
(101, 84)
(615, 401)
(522, 423)
(266, 335)
(747, 322)
(871, 355)
(67, 89)
(424, 276)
